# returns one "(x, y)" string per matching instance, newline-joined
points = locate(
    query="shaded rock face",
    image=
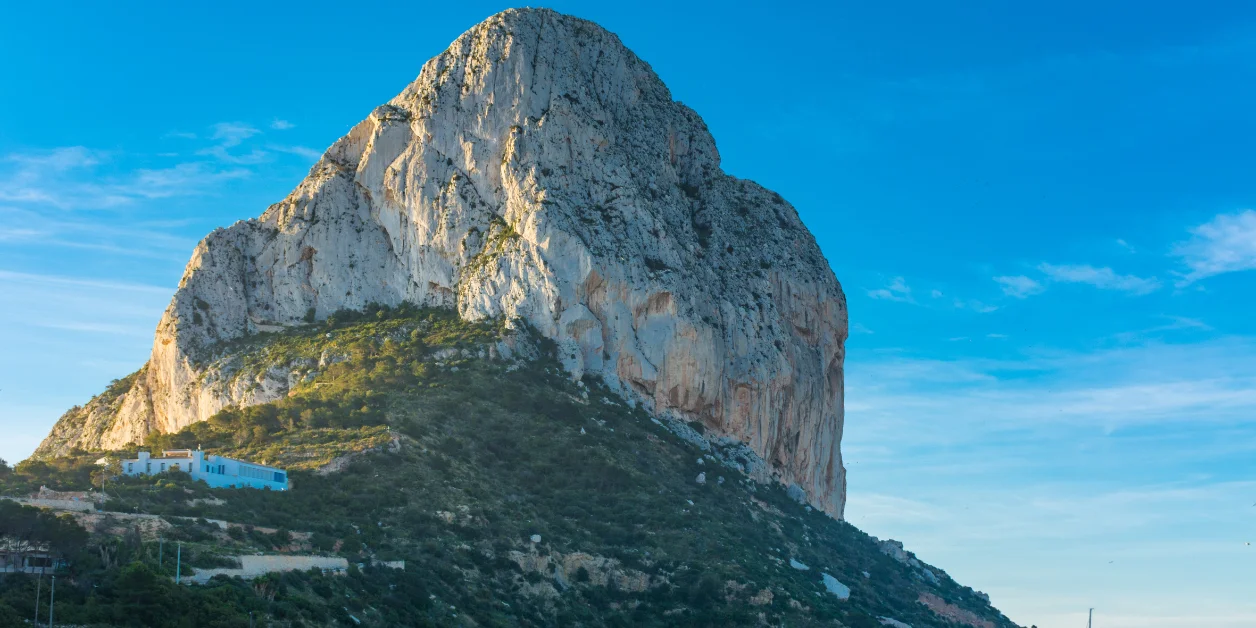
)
(536, 170)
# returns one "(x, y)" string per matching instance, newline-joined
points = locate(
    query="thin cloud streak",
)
(1056, 512)
(38, 229)
(1019, 286)
(9, 234)
(231, 134)
(31, 278)
(300, 151)
(1103, 278)
(58, 159)
(898, 290)
(65, 179)
(974, 305)
(98, 328)
(75, 177)
(1226, 244)
(940, 401)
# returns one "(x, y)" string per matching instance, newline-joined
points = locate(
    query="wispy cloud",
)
(1109, 389)
(47, 176)
(1019, 286)
(1052, 512)
(179, 180)
(96, 328)
(898, 290)
(77, 177)
(92, 232)
(973, 304)
(58, 280)
(254, 156)
(10, 234)
(1225, 244)
(1183, 322)
(233, 133)
(68, 178)
(230, 135)
(1172, 324)
(302, 151)
(281, 125)
(80, 304)
(1103, 278)
(58, 159)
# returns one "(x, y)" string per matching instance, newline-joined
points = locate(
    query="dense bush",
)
(26, 529)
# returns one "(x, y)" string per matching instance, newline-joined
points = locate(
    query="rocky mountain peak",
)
(538, 171)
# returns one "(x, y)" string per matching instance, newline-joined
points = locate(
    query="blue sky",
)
(1040, 215)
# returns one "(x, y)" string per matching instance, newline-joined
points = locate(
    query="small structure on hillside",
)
(20, 557)
(217, 471)
(46, 493)
(82, 501)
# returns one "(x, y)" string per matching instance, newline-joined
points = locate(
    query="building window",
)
(279, 477)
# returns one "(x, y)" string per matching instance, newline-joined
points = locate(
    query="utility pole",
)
(38, 590)
(52, 601)
(178, 565)
(1090, 621)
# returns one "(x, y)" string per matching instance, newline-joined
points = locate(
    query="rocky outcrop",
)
(537, 170)
(120, 415)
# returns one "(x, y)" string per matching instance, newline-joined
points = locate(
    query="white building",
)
(217, 471)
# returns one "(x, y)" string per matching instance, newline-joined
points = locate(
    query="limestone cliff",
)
(537, 170)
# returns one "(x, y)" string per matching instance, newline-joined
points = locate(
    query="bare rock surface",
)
(832, 585)
(536, 170)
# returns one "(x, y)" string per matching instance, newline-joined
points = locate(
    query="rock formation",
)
(535, 170)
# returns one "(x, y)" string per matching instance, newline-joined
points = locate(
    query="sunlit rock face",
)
(537, 170)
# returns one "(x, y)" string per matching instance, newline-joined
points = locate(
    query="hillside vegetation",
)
(514, 495)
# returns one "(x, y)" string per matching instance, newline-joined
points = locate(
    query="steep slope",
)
(538, 171)
(515, 496)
